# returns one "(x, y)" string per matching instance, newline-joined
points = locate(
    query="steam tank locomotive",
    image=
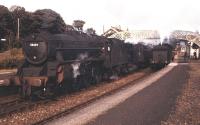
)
(72, 60)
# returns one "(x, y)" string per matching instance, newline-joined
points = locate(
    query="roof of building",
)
(118, 33)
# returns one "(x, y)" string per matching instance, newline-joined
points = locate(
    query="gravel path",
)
(187, 108)
(152, 104)
(114, 110)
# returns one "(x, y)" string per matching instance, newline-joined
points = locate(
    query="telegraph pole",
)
(17, 29)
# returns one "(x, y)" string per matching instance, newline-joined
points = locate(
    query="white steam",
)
(82, 56)
(147, 42)
(164, 36)
(76, 65)
(114, 77)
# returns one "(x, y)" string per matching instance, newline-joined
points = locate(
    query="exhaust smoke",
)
(114, 77)
(76, 65)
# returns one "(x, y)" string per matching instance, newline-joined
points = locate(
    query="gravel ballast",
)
(63, 103)
(187, 108)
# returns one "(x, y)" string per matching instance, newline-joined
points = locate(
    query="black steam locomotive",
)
(74, 60)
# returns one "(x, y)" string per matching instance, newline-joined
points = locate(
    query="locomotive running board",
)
(85, 60)
(78, 48)
(4, 82)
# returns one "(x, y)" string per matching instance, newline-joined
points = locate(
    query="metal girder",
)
(187, 35)
(194, 39)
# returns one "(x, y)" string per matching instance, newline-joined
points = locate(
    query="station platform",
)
(147, 102)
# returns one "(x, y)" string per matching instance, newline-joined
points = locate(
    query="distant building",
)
(134, 36)
(111, 31)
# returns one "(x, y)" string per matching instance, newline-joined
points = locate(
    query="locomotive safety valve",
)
(5, 82)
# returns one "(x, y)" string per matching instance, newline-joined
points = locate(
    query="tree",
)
(26, 23)
(91, 31)
(50, 21)
(78, 25)
(18, 13)
(6, 20)
(6, 26)
(41, 20)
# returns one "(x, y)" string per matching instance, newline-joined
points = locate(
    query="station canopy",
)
(186, 35)
(115, 32)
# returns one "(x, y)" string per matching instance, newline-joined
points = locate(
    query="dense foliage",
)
(45, 19)
(31, 22)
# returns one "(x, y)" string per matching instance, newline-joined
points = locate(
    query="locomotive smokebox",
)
(36, 48)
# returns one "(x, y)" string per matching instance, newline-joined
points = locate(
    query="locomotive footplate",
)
(36, 81)
(32, 81)
(4, 82)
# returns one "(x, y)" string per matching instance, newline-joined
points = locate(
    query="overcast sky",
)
(163, 15)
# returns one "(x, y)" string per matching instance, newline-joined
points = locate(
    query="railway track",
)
(15, 104)
(68, 111)
(19, 105)
(12, 106)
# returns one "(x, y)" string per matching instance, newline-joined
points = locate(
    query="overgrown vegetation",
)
(11, 58)
(29, 23)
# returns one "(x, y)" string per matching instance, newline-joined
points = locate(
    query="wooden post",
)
(17, 29)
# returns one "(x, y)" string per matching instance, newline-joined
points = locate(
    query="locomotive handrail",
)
(85, 60)
(79, 48)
